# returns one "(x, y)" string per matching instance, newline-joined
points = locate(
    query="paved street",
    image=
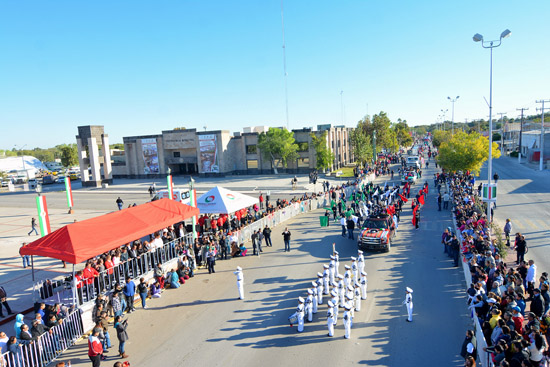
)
(523, 196)
(203, 323)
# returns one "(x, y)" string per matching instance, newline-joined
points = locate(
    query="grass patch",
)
(346, 171)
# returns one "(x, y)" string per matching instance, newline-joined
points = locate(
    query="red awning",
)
(80, 241)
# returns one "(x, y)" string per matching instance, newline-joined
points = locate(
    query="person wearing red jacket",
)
(95, 349)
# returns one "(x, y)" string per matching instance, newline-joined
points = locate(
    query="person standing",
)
(341, 289)
(343, 224)
(26, 258)
(254, 239)
(261, 199)
(363, 285)
(267, 235)
(350, 224)
(300, 313)
(4, 302)
(122, 335)
(507, 230)
(330, 319)
(357, 296)
(95, 349)
(361, 261)
(408, 302)
(211, 259)
(315, 300)
(354, 269)
(439, 200)
(326, 279)
(520, 247)
(240, 281)
(446, 199)
(347, 321)
(309, 305)
(119, 203)
(320, 287)
(334, 301)
(129, 293)
(286, 239)
(469, 345)
(33, 227)
(332, 268)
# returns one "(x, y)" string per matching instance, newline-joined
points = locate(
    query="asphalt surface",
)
(203, 323)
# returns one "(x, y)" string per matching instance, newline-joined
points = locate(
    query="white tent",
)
(222, 201)
(21, 163)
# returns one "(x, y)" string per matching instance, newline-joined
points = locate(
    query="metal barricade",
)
(47, 347)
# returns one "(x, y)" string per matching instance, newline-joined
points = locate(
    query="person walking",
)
(143, 289)
(33, 227)
(409, 303)
(347, 321)
(300, 313)
(330, 319)
(26, 258)
(122, 335)
(4, 302)
(119, 203)
(240, 281)
(286, 239)
(95, 349)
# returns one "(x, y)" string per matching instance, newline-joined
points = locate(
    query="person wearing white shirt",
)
(531, 276)
(343, 224)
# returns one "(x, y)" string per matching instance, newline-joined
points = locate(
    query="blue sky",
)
(140, 67)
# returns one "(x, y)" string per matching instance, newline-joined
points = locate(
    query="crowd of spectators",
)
(511, 301)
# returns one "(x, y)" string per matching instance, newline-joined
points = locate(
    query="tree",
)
(69, 155)
(465, 152)
(324, 156)
(382, 125)
(440, 136)
(402, 133)
(361, 145)
(278, 144)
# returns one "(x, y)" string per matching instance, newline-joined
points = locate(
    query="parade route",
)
(203, 323)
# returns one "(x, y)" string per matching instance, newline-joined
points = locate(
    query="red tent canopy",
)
(80, 241)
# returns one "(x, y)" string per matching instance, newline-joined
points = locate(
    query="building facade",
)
(220, 152)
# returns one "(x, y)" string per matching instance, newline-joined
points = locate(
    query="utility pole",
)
(501, 131)
(520, 131)
(284, 65)
(342, 105)
(541, 161)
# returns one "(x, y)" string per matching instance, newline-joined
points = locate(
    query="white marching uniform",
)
(341, 290)
(337, 259)
(350, 303)
(332, 269)
(326, 279)
(330, 319)
(347, 278)
(300, 314)
(357, 294)
(309, 305)
(354, 270)
(334, 301)
(361, 261)
(408, 302)
(363, 284)
(320, 288)
(315, 296)
(347, 323)
(240, 281)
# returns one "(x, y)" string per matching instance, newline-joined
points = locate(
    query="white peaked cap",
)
(239, 268)
(353, 258)
(332, 257)
(359, 251)
(325, 266)
(364, 273)
(330, 304)
(336, 252)
(309, 291)
(350, 287)
(347, 267)
(340, 276)
(320, 275)
(334, 293)
(409, 290)
(300, 299)
(314, 283)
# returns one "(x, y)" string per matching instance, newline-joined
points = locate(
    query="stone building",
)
(94, 160)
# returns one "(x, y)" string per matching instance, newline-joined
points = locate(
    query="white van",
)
(182, 196)
(413, 161)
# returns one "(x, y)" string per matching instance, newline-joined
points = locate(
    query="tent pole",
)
(73, 287)
(33, 282)
(32, 267)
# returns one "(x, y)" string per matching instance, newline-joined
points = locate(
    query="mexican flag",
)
(193, 203)
(170, 186)
(69, 192)
(43, 217)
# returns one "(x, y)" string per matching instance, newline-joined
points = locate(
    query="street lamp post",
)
(490, 45)
(444, 113)
(453, 100)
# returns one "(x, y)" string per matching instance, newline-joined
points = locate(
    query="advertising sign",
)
(150, 156)
(208, 154)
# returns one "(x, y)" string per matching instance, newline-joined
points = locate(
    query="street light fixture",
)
(444, 113)
(490, 45)
(453, 100)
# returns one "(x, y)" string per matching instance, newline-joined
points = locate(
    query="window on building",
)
(251, 149)
(176, 154)
(252, 163)
(303, 162)
(338, 143)
(303, 146)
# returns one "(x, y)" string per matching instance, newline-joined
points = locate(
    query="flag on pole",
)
(170, 186)
(403, 198)
(43, 217)
(193, 203)
(69, 192)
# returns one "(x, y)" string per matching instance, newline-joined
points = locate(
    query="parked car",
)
(49, 179)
